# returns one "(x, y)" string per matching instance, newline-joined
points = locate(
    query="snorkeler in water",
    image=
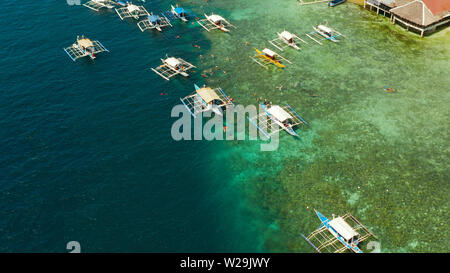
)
(389, 89)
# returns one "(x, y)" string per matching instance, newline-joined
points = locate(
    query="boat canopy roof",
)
(287, 35)
(279, 113)
(180, 10)
(132, 7)
(208, 94)
(172, 61)
(344, 229)
(325, 28)
(269, 52)
(215, 18)
(85, 42)
(154, 18)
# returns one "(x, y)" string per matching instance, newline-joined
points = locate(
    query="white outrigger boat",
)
(287, 39)
(172, 66)
(338, 235)
(99, 4)
(154, 22)
(215, 21)
(131, 10)
(84, 47)
(323, 32)
(206, 99)
(282, 118)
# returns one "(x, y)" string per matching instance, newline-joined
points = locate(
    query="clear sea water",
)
(86, 152)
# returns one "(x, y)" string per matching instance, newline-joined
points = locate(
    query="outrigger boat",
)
(206, 99)
(179, 13)
(84, 47)
(286, 39)
(173, 66)
(131, 10)
(215, 21)
(99, 4)
(334, 3)
(282, 118)
(308, 2)
(154, 22)
(339, 234)
(267, 56)
(322, 32)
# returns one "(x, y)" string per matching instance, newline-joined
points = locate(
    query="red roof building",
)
(420, 15)
(438, 6)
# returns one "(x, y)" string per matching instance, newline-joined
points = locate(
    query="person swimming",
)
(389, 89)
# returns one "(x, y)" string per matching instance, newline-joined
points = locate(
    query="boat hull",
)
(224, 29)
(221, 26)
(291, 44)
(179, 70)
(335, 3)
(182, 18)
(214, 108)
(323, 34)
(325, 222)
(288, 129)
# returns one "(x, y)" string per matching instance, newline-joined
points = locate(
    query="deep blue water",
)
(85, 147)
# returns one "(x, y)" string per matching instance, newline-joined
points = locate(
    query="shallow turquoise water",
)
(87, 154)
(380, 156)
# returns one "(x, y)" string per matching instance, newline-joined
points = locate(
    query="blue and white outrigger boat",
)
(206, 99)
(334, 3)
(338, 235)
(323, 32)
(282, 118)
(154, 22)
(178, 12)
